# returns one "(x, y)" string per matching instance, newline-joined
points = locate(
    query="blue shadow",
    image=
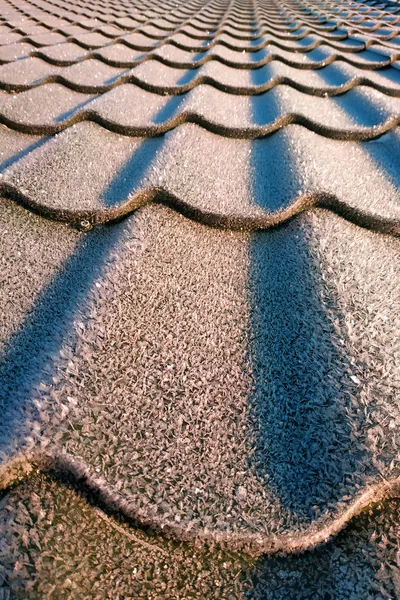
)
(169, 110)
(69, 113)
(23, 364)
(360, 108)
(28, 356)
(131, 174)
(262, 74)
(24, 152)
(385, 152)
(300, 378)
(173, 103)
(272, 188)
(339, 570)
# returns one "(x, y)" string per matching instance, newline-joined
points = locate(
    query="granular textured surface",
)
(199, 299)
(269, 90)
(55, 544)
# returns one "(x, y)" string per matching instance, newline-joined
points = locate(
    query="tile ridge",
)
(21, 466)
(87, 218)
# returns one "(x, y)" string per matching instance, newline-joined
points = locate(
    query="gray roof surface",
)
(193, 406)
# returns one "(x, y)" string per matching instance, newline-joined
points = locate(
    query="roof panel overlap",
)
(182, 368)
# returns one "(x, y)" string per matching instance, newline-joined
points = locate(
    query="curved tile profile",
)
(129, 110)
(151, 564)
(122, 56)
(230, 386)
(263, 186)
(288, 543)
(283, 437)
(309, 41)
(95, 77)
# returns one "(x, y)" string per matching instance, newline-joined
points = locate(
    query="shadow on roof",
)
(27, 359)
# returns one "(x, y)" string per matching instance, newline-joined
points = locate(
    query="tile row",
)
(265, 409)
(266, 181)
(360, 114)
(95, 76)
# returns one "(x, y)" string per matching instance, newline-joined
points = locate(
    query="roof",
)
(200, 290)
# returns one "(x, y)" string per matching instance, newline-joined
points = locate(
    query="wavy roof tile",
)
(169, 369)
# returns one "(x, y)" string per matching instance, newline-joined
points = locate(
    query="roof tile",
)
(235, 386)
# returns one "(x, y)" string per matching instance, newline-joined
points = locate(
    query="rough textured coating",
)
(55, 542)
(229, 387)
(89, 173)
(237, 70)
(240, 411)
